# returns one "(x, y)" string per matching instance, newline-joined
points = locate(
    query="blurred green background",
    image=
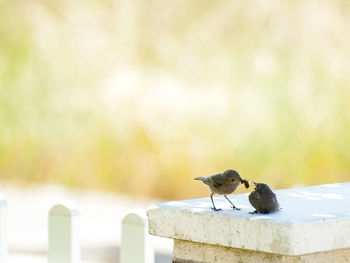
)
(139, 97)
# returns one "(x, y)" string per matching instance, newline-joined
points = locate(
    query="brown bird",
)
(223, 184)
(263, 199)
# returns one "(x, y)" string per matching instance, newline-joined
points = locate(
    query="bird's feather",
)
(218, 184)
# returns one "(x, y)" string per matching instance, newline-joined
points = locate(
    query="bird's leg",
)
(214, 208)
(233, 206)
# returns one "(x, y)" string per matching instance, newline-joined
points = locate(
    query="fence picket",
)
(63, 233)
(136, 246)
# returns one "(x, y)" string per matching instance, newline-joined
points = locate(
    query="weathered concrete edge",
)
(286, 239)
(192, 252)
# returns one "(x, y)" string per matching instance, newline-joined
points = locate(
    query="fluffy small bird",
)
(263, 199)
(223, 184)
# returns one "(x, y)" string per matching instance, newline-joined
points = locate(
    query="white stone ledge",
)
(313, 219)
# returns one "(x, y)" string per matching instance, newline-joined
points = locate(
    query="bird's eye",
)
(232, 180)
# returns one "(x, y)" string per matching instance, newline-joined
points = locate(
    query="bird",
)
(223, 184)
(263, 199)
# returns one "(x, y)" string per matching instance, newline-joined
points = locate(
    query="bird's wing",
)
(255, 195)
(218, 184)
(216, 180)
(273, 199)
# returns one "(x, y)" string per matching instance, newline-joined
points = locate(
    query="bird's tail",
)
(199, 178)
(203, 179)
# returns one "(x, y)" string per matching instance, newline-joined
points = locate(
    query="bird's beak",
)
(253, 183)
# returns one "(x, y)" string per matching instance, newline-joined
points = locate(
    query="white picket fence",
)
(63, 235)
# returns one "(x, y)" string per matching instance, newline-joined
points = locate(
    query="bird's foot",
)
(215, 209)
(255, 212)
(235, 208)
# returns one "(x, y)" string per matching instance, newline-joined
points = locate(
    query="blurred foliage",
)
(141, 96)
